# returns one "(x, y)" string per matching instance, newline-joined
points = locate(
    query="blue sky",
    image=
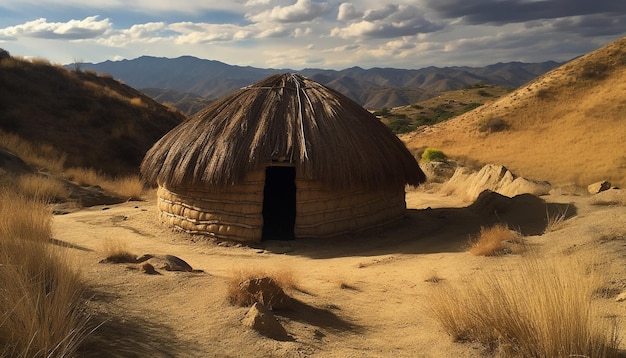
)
(297, 34)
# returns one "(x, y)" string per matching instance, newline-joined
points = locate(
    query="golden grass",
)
(536, 308)
(42, 188)
(41, 314)
(40, 155)
(489, 241)
(284, 278)
(556, 221)
(127, 187)
(576, 127)
(116, 251)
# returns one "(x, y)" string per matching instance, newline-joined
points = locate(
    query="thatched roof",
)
(289, 118)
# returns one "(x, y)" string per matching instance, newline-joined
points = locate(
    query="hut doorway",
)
(279, 203)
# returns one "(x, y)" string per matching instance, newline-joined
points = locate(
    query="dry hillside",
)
(97, 121)
(567, 126)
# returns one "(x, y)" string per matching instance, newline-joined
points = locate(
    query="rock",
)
(263, 321)
(12, 164)
(167, 262)
(147, 268)
(265, 291)
(438, 172)
(600, 186)
(497, 178)
(621, 297)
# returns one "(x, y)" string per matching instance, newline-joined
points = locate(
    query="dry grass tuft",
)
(40, 155)
(115, 251)
(539, 308)
(556, 221)
(127, 187)
(489, 241)
(283, 278)
(41, 314)
(42, 188)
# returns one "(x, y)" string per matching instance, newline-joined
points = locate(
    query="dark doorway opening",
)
(279, 203)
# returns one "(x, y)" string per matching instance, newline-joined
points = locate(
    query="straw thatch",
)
(350, 170)
(327, 136)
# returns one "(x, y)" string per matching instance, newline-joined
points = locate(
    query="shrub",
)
(433, 155)
(539, 308)
(489, 241)
(492, 125)
(402, 125)
(41, 313)
(382, 112)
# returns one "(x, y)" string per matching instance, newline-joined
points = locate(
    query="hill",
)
(185, 102)
(567, 126)
(95, 120)
(438, 109)
(372, 88)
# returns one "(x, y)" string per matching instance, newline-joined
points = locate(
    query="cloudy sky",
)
(298, 34)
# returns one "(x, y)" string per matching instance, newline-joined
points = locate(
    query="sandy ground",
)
(359, 296)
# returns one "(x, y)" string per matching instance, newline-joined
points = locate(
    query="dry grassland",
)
(41, 304)
(565, 127)
(537, 308)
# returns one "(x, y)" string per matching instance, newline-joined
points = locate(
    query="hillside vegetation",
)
(94, 120)
(440, 108)
(567, 126)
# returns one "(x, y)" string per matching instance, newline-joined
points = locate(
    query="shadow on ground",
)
(128, 336)
(436, 230)
(318, 317)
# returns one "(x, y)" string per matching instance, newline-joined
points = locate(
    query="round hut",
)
(283, 158)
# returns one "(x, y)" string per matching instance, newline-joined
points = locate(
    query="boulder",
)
(263, 321)
(497, 178)
(438, 172)
(600, 186)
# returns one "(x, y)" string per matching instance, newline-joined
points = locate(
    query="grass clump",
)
(246, 287)
(127, 187)
(42, 188)
(41, 312)
(489, 241)
(493, 125)
(539, 308)
(115, 251)
(40, 155)
(433, 155)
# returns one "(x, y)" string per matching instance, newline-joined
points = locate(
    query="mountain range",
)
(185, 77)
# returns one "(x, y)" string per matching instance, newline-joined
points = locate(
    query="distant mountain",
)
(373, 88)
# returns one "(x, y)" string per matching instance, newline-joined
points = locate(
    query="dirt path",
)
(364, 295)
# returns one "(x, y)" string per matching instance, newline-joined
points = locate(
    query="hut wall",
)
(323, 213)
(232, 213)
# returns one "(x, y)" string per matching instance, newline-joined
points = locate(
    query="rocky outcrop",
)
(497, 178)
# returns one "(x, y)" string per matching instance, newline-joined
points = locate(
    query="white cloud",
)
(348, 12)
(89, 27)
(387, 22)
(302, 10)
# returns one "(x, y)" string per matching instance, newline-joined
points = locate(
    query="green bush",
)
(382, 112)
(433, 155)
(402, 125)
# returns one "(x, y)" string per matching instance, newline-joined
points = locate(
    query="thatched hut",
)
(283, 158)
